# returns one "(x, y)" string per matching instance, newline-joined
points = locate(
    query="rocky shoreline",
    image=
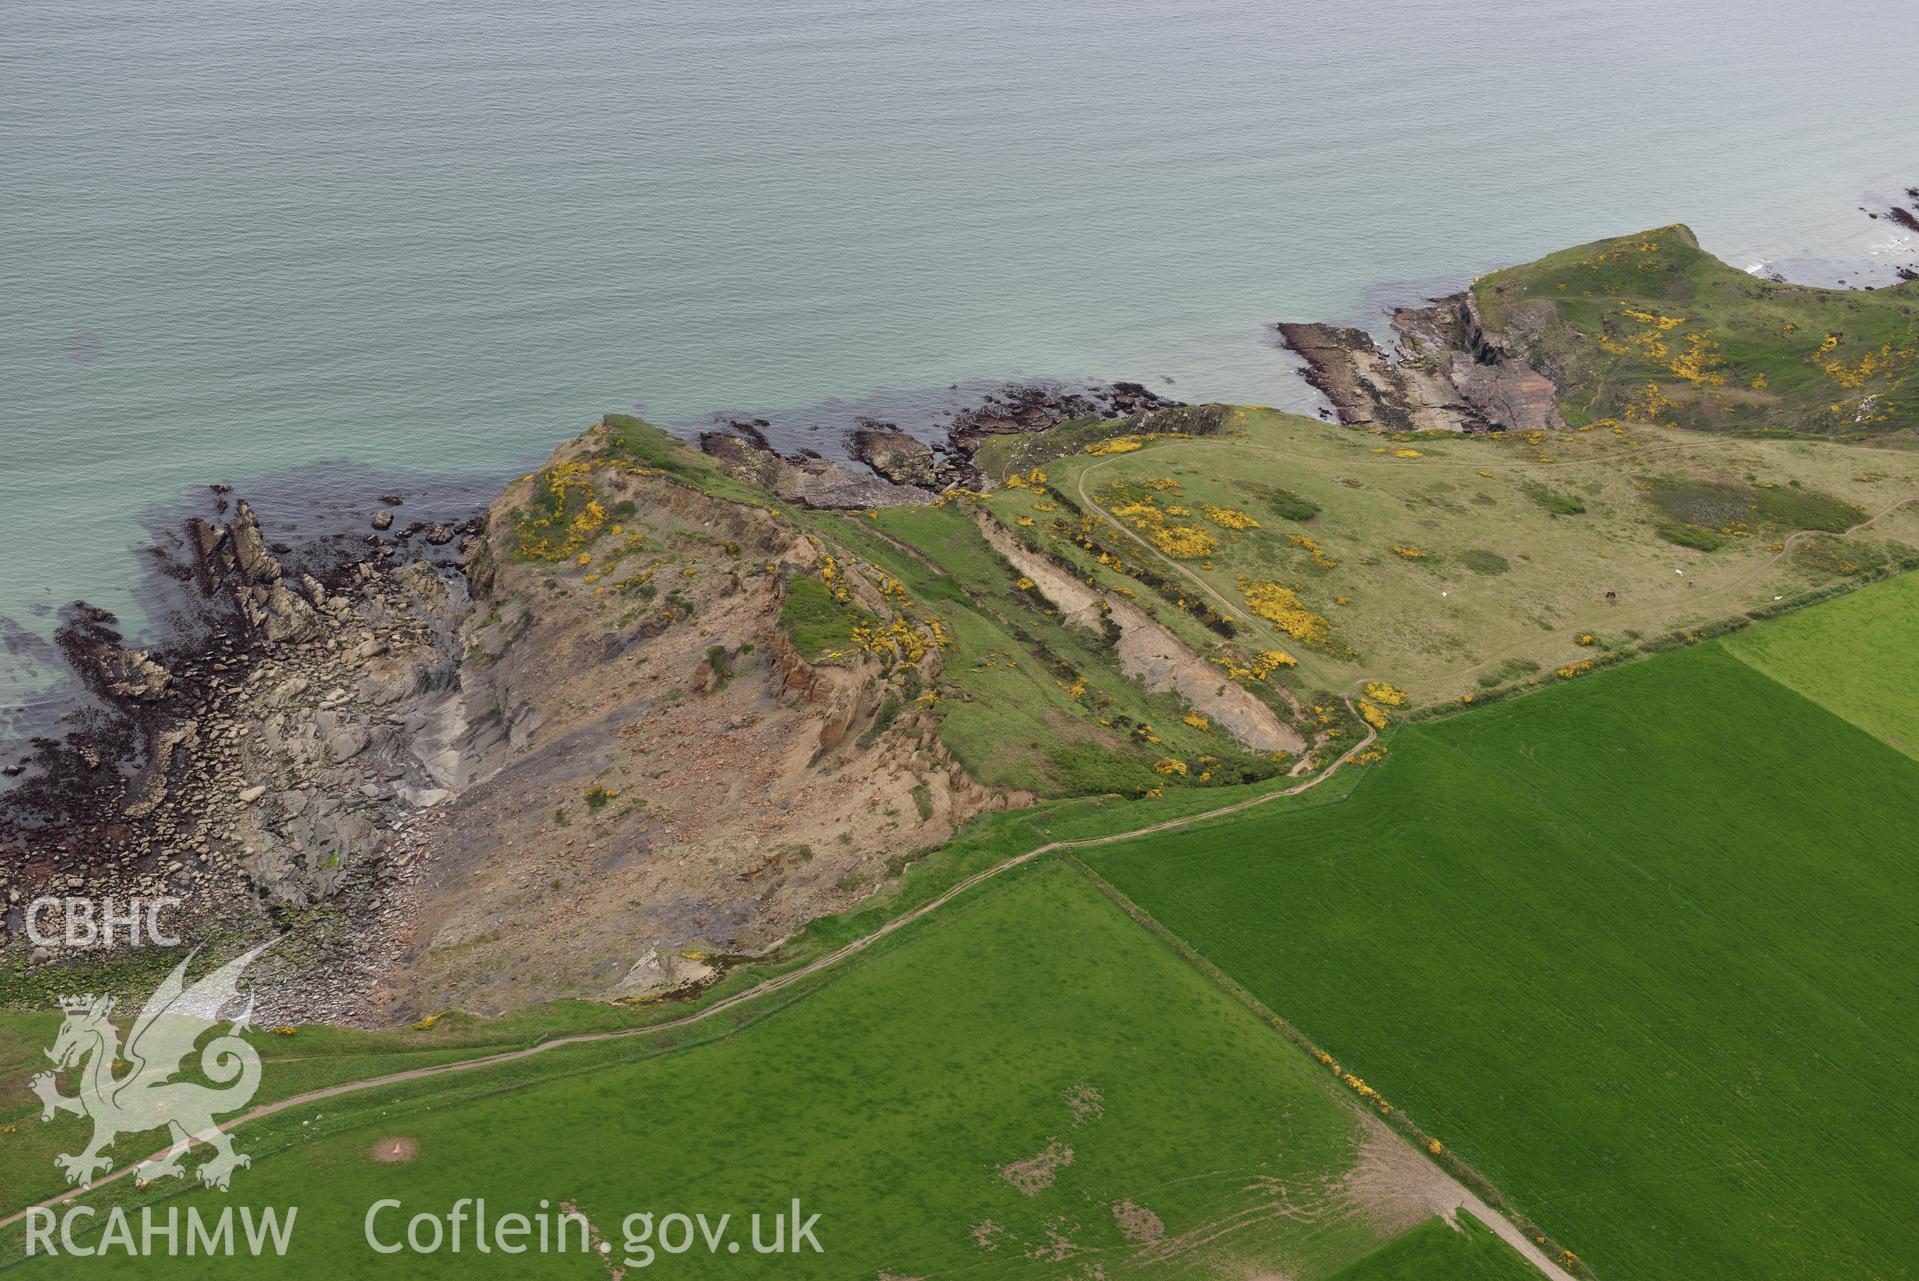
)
(1450, 372)
(904, 467)
(278, 761)
(289, 765)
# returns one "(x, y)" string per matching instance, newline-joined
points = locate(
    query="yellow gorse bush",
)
(1258, 667)
(1281, 606)
(1181, 542)
(1228, 517)
(1307, 543)
(1661, 323)
(1268, 660)
(1386, 693)
(1855, 376)
(566, 513)
(1127, 444)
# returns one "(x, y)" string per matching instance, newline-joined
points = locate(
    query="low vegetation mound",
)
(1650, 328)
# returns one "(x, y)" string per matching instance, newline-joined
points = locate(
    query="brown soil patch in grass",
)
(1087, 1103)
(1035, 1174)
(1137, 1223)
(1396, 1188)
(396, 1150)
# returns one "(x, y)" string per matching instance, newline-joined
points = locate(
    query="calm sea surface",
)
(244, 241)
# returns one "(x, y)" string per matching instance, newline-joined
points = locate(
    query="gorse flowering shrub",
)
(1383, 692)
(563, 516)
(1281, 606)
(1267, 660)
(1320, 559)
(1854, 376)
(1228, 517)
(1258, 667)
(1181, 542)
(1127, 444)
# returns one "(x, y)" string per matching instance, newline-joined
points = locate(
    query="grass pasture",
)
(1638, 947)
(1186, 1138)
(1438, 562)
(1438, 1251)
(1854, 655)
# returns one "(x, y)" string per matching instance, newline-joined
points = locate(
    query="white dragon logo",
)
(143, 1096)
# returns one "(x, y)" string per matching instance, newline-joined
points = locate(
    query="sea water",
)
(246, 240)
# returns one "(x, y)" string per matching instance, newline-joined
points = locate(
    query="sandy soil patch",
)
(1396, 1188)
(1137, 1223)
(1088, 1104)
(1035, 1174)
(396, 1150)
(1150, 651)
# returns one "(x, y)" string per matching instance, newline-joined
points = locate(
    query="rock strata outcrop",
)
(1450, 373)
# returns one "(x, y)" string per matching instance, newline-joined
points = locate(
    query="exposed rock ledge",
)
(1451, 373)
(495, 787)
(284, 762)
(905, 469)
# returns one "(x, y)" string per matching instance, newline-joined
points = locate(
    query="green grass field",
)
(1032, 1017)
(1854, 655)
(1638, 947)
(317, 1056)
(1437, 1251)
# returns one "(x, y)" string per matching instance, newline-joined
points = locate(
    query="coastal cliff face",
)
(511, 783)
(673, 785)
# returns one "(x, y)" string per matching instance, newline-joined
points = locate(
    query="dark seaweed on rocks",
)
(253, 762)
(903, 466)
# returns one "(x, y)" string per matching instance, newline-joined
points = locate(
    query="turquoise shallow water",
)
(244, 237)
